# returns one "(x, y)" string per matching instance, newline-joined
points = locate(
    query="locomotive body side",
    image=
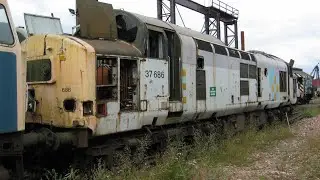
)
(163, 74)
(13, 70)
(13, 95)
(274, 81)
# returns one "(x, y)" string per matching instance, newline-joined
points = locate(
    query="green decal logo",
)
(213, 91)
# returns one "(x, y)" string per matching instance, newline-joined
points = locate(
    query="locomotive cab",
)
(93, 80)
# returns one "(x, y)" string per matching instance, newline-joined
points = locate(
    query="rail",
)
(225, 8)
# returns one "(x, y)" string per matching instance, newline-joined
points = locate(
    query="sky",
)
(287, 29)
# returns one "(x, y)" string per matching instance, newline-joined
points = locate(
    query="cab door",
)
(154, 81)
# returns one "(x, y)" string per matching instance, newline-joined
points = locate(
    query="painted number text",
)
(154, 74)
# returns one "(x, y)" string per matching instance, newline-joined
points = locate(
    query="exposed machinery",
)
(123, 76)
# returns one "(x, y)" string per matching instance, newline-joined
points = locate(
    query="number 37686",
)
(154, 74)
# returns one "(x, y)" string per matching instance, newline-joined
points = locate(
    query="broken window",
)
(156, 44)
(127, 28)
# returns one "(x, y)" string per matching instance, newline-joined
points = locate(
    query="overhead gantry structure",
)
(214, 14)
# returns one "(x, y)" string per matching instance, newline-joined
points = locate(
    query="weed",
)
(206, 159)
(310, 162)
(311, 112)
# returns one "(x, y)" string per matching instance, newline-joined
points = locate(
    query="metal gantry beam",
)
(215, 14)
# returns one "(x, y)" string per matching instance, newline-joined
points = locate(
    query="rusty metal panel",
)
(96, 19)
(36, 24)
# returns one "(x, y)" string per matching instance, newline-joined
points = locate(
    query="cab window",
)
(39, 70)
(6, 36)
(156, 44)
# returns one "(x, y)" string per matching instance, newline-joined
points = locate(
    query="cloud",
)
(287, 29)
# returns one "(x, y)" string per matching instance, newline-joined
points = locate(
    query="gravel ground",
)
(286, 159)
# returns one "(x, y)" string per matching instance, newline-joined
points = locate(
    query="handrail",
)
(225, 7)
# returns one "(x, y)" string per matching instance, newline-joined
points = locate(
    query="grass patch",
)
(310, 166)
(311, 112)
(237, 151)
(206, 160)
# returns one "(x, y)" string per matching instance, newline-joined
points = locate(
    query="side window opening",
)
(156, 44)
(233, 53)
(6, 36)
(252, 72)
(244, 70)
(283, 81)
(245, 56)
(220, 49)
(203, 45)
(200, 62)
(259, 82)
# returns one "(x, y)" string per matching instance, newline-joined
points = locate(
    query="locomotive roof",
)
(267, 55)
(173, 27)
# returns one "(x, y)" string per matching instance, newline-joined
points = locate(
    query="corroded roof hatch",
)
(96, 20)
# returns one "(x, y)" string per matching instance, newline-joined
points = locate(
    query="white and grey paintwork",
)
(222, 73)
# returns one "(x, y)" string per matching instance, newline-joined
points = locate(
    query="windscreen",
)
(6, 36)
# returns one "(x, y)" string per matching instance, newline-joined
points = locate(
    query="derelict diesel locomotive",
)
(123, 75)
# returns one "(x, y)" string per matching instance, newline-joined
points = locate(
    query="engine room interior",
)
(117, 80)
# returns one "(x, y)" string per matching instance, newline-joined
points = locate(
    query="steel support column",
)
(159, 8)
(226, 39)
(236, 34)
(173, 11)
(207, 24)
(218, 27)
